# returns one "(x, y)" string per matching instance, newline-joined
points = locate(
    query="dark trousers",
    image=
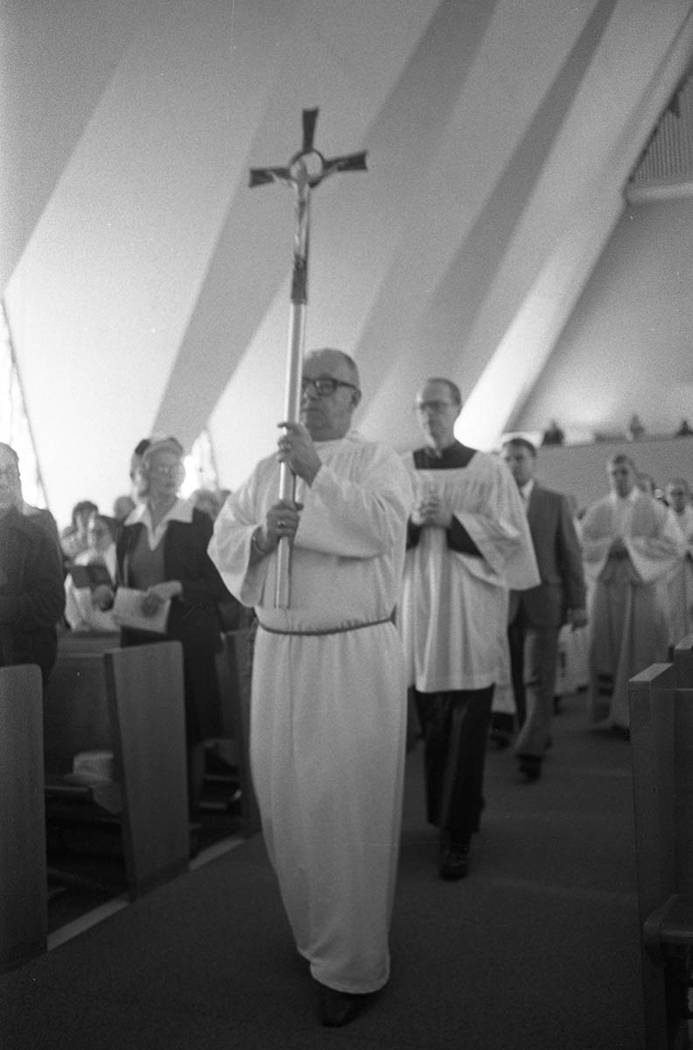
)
(455, 728)
(534, 682)
(516, 644)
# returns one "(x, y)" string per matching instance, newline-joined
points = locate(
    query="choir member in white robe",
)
(468, 544)
(680, 581)
(329, 694)
(630, 544)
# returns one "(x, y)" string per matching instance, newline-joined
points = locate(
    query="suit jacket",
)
(32, 596)
(559, 558)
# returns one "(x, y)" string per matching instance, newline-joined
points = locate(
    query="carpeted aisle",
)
(536, 950)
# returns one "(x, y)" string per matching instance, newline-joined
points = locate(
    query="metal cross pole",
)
(304, 172)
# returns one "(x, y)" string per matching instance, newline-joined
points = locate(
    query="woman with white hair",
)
(161, 550)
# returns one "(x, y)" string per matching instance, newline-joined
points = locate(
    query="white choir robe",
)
(454, 615)
(328, 713)
(679, 583)
(628, 618)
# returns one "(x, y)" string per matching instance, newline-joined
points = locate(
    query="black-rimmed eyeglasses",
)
(324, 385)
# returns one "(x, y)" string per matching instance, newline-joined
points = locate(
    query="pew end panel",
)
(683, 662)
(23, 874)
(651, 698)
(76, 713)
(129, 702)
(146, 701)
(662, 758)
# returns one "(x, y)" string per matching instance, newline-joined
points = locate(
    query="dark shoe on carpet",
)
(498, 741)
(336, 1009)
(530, 767)
(454, 862)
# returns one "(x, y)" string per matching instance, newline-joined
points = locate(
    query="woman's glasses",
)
(166, 470)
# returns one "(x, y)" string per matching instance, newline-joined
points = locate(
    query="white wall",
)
(580, 470)
(628, 346)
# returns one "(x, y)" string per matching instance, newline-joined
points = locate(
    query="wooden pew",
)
(662, 756)
(236, 651)
(683, 662)
(23, 884)
(87, 642)
(128, 701)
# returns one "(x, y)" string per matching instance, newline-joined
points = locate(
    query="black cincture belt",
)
(328, 630)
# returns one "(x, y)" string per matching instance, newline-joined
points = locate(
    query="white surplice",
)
(455, 606)
(628, 618)
(328, 716)
(679, 583)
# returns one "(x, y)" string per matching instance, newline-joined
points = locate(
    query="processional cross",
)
(305, 170)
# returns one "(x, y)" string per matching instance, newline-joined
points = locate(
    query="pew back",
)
(661, 733)
(146, 704)
(23, 881)
(76, 712)
(131, 702)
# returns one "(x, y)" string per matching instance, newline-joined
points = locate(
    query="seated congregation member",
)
(631, 542)
(537, 614)
(468, 543)
(207, 500)
(73, 539)
(93, 567)
(162, 551)
(328, 686)
(680, 580)
(32, 598)
(122, 506)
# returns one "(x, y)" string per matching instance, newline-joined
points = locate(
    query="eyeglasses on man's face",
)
(433, 406)
(324, 386)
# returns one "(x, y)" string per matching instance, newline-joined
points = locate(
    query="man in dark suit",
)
(32, 595)
(536, 615)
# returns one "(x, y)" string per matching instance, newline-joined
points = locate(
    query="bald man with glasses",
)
(329, 694)
(468, 544)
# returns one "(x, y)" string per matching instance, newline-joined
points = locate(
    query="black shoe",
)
(498, 741)
(336, 1009)
(454, 862)
(530, 767)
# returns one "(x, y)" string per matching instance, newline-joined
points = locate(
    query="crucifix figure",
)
(305, 170)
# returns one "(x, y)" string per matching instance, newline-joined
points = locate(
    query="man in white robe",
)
(329, 695)
(630, 543)
(680, 581)
(469, 543)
